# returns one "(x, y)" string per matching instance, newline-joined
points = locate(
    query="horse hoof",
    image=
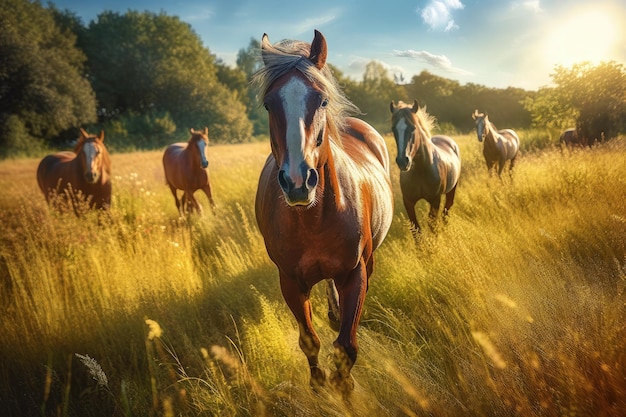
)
(344, 385)
(318, 378)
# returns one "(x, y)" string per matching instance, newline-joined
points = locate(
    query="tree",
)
(592, 97)
(42, 91)
(144, 63)
(249, 62)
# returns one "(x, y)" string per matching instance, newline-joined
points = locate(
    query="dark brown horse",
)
(324, 201)
(429, 166)
(571, 138)
(500, 145)
(79, 176)
(186, 168)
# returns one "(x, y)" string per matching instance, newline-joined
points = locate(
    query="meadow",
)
(514, 307)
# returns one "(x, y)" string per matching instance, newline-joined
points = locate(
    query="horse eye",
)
(267, 107)
(324, 103)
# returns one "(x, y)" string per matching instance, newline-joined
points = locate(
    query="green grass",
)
(514, 307)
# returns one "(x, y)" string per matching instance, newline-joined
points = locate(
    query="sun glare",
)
(587, 35)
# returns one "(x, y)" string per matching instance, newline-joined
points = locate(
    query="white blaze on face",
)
(201, 148)
(401, 127)
(91, 152)
(292, 95)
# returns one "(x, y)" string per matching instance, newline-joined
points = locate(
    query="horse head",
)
(90, 151)
(199, 141)
(482, 124)
(298, 99)
(404, 127)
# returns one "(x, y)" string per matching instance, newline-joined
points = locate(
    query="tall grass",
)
(515, 306)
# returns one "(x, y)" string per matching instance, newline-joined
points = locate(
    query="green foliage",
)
(453, 103)
(591, 98)
(142, 62)
(41, 76)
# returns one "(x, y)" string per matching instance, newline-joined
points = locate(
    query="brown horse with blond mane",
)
(186, 168)
(80, 176)
(500, 145)
(324, 201)
(429, 166)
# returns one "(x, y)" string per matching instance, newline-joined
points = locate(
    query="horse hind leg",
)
(333, 304)
(449, 202)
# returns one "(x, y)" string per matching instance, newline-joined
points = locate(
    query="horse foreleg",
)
(409, 206)
(300, 305)
(433, 212)
(352, 292)
(178, 202)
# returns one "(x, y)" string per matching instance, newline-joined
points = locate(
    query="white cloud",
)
(441, 62)
(438, 14)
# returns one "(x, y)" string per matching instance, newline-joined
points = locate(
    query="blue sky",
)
(496, 43)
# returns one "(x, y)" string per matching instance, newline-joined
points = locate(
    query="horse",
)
(500, 145)
(571, 138)
(429, 166)
(324, 200)
(186, 168)
(82, 175)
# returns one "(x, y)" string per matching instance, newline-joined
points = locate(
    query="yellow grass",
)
(514, 307)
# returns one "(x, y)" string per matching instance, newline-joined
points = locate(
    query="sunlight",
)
(587, 35)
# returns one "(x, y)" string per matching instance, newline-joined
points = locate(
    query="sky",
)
(495, 43)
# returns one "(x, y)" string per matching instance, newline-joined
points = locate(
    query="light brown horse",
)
(429, 166)
(324, 201)
(499, 146)
(186, 168)
(79, 176)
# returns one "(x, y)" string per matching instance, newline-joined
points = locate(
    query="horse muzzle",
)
(403, 162)
(92, 177)
(299, 195)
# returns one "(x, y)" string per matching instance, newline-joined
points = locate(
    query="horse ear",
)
(265, 45)
(392, 106)
(83, 133)
(191, 130)
(101, 135)
(475, 114)
(415, 106)
(319, 50)
(206, 131)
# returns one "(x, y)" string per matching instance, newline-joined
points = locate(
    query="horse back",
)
(362, 131)
(54, 171)
(510, 143)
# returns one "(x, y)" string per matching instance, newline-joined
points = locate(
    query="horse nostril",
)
(205, 164)
(282, 180)
(312, 178)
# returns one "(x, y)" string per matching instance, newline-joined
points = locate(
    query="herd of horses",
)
(324, 201)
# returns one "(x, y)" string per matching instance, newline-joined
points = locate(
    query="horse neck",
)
(492, 134)
(424, 152)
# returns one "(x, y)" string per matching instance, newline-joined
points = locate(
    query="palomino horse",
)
(324, 201)
(186, 168)
(500, 145)
(84, 174)
(429, 166)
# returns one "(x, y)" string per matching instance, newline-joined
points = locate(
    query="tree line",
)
(146, 78)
